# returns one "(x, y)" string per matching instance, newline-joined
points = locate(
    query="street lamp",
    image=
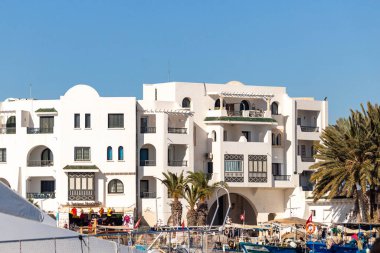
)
(157, 211)
(290, 204)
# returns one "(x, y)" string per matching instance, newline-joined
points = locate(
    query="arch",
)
(217, 103)
(109, 153)
(147, 155)
(244, 105)
(273, 139)
(115, 186)
(40, 156)
(278, 139)
(4, 181)
(11, 125)
(46, 157)
(239, 204)
(271, 216)
(120, 153)
(213, 135)
(186, 102)
(274, 108)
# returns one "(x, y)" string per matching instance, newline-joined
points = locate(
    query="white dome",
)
(235, 83)
(81, 90)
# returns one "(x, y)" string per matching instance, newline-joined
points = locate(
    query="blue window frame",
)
(109, 153)
(120, 153)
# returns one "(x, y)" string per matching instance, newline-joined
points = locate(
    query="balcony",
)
(234, 177)
(281, 177)
(148, 163)
(32, 130)
(147, 130)
(175, 163)
(176, 130)
(45, 195)
(7, 130)
(148, 195)
(257, 177)
(40, 163)
(308, 159)
(309, 129)
(81, 195)
(247, 116)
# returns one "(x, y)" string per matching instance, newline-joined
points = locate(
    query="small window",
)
(120, 153)
(115, 186)
(274, 108)
(47, 186)
(278, 140)
(186, 103)
(109, 153)
(3, 155)
(313, 212)
(82, 154)
(273, 139)
(87, 120)
(213, 136)
(76, 120)
(116, 120)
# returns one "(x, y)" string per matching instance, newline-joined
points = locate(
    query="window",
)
(81, 186)
(278, 140)
(276, 169)
(233, 163)
(120, 153)
(257, 163)
(47, 186)
(116, 120)
(186, 103)
(213, 136)
(313, 212)
(109, 153)
(82, 154)
(76, 120)
(115, 186)
(244, 105)
(247, 135)
(87, 120)
(224, 135)
(11, 125)
(46, 124)
(3, 155)
(274, 108)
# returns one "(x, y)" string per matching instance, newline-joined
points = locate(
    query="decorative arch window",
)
(115, 186)
(274, 108)
(109, 153)
(213, 136)
(11, 125)
(278, 140)
(244, 105)
(217, 103)
(186, 103)
(120, 153)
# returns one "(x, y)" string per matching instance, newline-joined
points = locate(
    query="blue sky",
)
(314, 48)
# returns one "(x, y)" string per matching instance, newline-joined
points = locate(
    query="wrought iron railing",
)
(7, 130)
(281, 177)
(40, 163)
(42, 195)
(307, 159)
(234, 177)
(309, 129)
(257, 177)
(147, 162)
(80, 195)
(148, 195)
(32, 130)
(181, 163)
(147, 130)
(177, 130)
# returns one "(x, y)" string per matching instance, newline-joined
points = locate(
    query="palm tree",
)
(175, 185)
(344, 166)
(192, 195)
(202, 181)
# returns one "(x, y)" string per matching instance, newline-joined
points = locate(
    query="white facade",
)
(257, 139)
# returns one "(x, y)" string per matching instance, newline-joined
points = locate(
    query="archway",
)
(4, 181)
(244, 105)
(239, 205)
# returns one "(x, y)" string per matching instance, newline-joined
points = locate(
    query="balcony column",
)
(268, 113)
(221, 103)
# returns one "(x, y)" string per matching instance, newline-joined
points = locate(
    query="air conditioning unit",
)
(208, 156)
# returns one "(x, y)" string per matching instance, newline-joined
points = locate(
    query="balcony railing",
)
(234, 177)
(32, 130)
(257, 177)
(246, 113)
(8, 130)
(81, 195)
(40, 163)
(307, 159)
(44, 195)
(148, 195)
(176, 130)
(147, 162)
(281, 177)
(181, 163)
(309, 129)
(147, 130)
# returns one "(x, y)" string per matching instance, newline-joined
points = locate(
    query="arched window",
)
(186, 103)
(278, 140)
(120, 153)
(115, 186)
(217, 103)
(11, 125)
(213, 136)
(109, 153)
(274, 108)
(46, 157)
(273, 139)
(244, 105)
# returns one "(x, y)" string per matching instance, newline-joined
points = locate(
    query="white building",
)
(108, 152)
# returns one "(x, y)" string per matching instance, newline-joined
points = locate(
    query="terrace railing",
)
(177, 130)
(281, 177)
(32, 130)
(147, 130)
(147, 162)
(42, 195)
(181, 163)
(148, 195)
(40, 163)
(309, 129)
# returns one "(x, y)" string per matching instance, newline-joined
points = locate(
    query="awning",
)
(47, 111)
(81, 168)
(240, 94)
